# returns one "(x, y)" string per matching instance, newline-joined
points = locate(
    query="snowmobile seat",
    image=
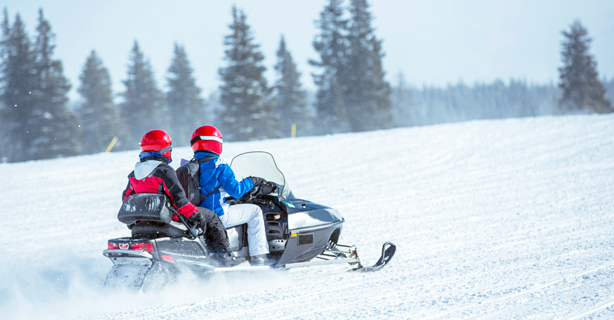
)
(156, 229)
(145, 207)
(149, 215)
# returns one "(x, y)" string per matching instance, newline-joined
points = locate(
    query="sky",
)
(433, 43)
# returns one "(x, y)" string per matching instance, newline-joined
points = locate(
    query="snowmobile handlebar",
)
(263, 189)
(192, 229)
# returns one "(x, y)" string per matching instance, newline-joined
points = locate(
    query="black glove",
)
(267, 188)
(198, 220)
(258, 181)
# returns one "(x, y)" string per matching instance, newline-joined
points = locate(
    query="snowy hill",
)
(492, 219)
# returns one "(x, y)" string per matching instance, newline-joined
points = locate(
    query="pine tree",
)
(4, 141)
(183, 99)
(402, 104)
(579, 80)
(368, 94)
(100, 120)
(17, 77)
(332, 45)
(55, 128)
(248, 112)
(609, 89)
(290, 96)
(143, 102)
(38, 124)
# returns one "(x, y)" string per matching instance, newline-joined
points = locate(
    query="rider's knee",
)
(257, 212)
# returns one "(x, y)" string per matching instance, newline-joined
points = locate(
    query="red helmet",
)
(157, 141)
(207, 138)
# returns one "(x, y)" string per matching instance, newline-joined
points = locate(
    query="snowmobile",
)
(300, 233)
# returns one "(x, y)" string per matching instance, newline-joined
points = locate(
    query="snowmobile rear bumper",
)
(121, 253)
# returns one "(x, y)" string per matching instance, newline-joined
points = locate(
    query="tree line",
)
(352, 94)
(579, 91)
(460, 102)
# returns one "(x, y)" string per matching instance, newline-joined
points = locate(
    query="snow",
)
(505, 219)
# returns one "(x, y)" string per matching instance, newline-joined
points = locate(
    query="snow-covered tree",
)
(143, 102)
(185, 104)
(55, 128)
(368, 94)
(289, 94)
(99, 116)
(402, 103)
(248, 110)
(16, 80)
(331, 44)
(36, 121)
(579, 80)
(609, 88)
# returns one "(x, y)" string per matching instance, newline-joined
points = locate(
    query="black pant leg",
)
(216, 233)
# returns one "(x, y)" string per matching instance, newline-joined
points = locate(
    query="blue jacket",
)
(214, 173)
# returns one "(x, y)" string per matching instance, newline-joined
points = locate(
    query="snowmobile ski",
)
(388, 250)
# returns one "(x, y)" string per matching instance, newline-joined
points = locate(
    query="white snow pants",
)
(252, 215)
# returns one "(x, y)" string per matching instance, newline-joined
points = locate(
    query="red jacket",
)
(154, 176)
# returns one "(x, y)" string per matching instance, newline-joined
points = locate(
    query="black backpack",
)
(189, 177)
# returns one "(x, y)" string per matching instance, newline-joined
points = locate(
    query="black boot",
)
(224, 259)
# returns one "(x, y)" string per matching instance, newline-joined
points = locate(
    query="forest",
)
(38, 121)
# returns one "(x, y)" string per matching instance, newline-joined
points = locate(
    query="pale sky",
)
(433, 42)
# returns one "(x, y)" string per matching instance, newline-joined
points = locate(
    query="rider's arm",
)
(234, 188)
(129, 190)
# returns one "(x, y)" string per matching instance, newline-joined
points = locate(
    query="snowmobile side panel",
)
(306, 243)
(182, 250)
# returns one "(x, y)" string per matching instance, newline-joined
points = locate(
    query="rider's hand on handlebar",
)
(198, 219)
(267, 188)
(258, 181)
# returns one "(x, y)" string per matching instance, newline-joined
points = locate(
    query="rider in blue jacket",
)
(216, 181)
(215, 173)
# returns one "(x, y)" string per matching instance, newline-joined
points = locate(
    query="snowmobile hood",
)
(143, 169)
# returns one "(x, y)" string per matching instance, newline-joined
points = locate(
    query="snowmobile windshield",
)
(260, 164)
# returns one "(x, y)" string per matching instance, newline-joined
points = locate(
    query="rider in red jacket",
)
(153, 175)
